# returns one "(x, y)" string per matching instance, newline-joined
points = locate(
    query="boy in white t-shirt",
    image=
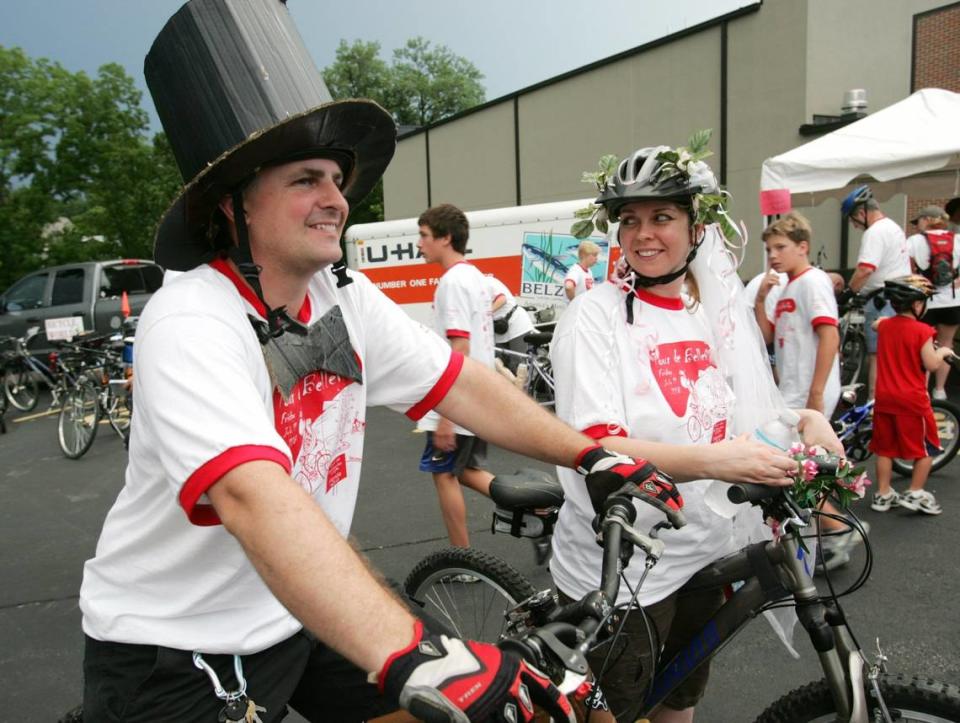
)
(579, 278)
(463, 314)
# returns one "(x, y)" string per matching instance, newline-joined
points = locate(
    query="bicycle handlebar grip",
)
(754, 494)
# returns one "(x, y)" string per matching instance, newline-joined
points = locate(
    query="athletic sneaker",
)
(939, 394)
(920, 501)
(835, 550)
(882, 503)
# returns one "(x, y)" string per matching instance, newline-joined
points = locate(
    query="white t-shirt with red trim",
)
(806, 302)
(520, 322)
(883, 250)
(462, 308)
(654, 380)
(944, 297)
(165, 571)
(580, 278)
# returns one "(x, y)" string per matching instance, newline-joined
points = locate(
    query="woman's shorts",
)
(901, 436)
(946, 315)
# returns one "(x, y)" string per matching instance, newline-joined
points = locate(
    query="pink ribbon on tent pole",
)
(775, 201)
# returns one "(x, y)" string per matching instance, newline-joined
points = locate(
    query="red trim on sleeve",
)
(457, 334)
(601, 431)
(674, 303)
(824, 320)
(210, 472)
(583, 453)
(440, 389)
(865, 265)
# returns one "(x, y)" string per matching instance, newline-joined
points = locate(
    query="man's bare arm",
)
(860, 277)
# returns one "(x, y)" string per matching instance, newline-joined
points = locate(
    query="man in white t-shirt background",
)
(511, 322)
(579, 278)
(883, 255)
(463, 315)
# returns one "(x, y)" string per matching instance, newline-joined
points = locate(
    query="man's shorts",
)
(675, 620)
(947, 315)
(902, 436)
(870, 314)
(471, 452)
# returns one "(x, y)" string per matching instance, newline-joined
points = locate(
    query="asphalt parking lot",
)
(51, 510)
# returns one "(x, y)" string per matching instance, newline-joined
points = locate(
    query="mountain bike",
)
(853, 340)
(853, 424)
(534, 373)
(767, 574)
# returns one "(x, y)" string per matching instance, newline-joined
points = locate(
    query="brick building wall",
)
(936, 64)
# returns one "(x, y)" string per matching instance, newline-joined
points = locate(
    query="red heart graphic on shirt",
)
(676, 367)
(306, 403)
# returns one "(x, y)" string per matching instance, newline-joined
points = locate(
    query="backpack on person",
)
(941, 271)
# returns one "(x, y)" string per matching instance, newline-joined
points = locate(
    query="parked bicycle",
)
(534, 373)
(770, 574)
(853, 340)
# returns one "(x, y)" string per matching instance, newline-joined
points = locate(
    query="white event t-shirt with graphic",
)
(806, 302)
(883, 250)
(654, 380)
(462, 308)
(166, 572)
(581, 278)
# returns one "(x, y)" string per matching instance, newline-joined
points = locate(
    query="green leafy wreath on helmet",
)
(685, 162)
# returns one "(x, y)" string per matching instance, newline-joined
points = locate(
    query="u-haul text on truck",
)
(529, 248)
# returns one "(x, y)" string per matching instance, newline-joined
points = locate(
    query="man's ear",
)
(226, 206)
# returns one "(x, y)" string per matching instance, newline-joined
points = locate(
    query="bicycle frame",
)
(535, 370)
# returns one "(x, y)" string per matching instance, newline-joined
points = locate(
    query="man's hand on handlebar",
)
(608, 472)
(438, 678)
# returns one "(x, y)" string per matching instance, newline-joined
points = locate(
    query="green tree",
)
(423, 85)
(75, 147)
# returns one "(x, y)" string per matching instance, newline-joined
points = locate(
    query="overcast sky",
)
(514, 43)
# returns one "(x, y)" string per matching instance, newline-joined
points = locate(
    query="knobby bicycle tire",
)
(913, 699)
(947, 415)
(472, 610)
(78, 420)
(20, 388)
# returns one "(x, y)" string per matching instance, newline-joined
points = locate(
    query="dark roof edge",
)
(693, 30)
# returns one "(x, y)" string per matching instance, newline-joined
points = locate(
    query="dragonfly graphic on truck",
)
(529, 248)
(547, 257)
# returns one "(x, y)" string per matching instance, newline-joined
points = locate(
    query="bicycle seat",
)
(538, 338)
(526, 489)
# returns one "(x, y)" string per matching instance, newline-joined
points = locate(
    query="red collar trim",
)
(794, 278)
(674, 303)
(224, 267)
(583, 267)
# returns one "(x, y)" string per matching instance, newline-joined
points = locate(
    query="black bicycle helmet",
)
(641, 177)
(857, 197)
(904, 290)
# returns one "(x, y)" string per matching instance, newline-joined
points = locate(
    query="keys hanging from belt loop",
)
(237, 706)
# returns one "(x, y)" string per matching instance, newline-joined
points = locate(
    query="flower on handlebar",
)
(811, 484)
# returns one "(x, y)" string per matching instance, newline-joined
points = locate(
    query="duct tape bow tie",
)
(324, 346)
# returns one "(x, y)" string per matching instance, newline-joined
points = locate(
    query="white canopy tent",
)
(910, 147)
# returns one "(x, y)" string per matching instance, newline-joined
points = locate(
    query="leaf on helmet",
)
(585, 212)
(608, 164)
(581, 229)
(699, 140)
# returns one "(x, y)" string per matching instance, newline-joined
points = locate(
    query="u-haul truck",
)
(529, 248)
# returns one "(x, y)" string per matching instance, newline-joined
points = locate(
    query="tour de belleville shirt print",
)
(682, 368)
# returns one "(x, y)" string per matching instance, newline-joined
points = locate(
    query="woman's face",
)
(655, 236)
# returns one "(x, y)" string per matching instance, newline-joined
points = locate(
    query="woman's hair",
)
(792, 226)
(693, 290)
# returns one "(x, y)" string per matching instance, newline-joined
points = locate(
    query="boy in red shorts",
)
(903, 423)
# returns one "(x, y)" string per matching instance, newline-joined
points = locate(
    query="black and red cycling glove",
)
(438, 678)
(607, 472)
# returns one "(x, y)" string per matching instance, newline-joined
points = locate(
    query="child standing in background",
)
(579, 278)
(903, 422)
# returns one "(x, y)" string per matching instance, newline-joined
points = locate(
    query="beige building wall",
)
(473, 160)
(656, 97)
(405, 182)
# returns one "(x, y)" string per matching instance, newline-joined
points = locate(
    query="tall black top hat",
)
(236, 89)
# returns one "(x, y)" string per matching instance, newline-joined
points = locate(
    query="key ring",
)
(218, 689)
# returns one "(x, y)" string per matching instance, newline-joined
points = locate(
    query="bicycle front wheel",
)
(20, 388)
(907, 699)
(467, 590)
(79, 416)
(947, 415)
(853, 350)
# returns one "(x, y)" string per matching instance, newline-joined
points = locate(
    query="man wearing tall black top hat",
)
(223, 586)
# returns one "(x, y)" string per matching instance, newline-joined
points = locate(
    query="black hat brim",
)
(359, 130)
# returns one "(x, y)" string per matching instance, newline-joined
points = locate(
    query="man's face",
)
(432, 247)
(295, 215)
(858, 219)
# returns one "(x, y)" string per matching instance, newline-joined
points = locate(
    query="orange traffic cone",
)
(124, 305)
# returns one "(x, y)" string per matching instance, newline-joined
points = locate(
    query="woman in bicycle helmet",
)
(637, 364)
